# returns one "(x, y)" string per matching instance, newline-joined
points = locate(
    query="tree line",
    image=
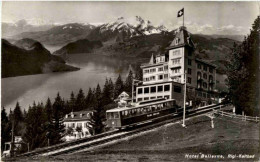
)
(42, 124)
(243, 73)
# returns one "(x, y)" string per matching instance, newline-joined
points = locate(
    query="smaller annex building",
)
(78, 124)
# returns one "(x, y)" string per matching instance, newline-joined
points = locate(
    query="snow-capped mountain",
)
(132, 26)
(124, 28)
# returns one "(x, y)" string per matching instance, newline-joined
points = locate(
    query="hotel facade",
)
(164, 75)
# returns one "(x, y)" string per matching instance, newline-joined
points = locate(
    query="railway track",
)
(104, 138)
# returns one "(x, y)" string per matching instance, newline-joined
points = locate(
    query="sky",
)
(199, 17)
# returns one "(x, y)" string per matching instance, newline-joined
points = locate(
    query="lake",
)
(94, 69)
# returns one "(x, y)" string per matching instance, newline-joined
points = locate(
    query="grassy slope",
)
(172, 142)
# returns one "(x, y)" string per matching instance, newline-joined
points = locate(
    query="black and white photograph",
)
(130, 81)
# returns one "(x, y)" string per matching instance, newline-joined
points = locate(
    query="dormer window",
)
(80, 115)
(177, 41)
(66, 116)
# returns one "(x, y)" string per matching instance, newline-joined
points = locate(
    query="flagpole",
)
(183, 17)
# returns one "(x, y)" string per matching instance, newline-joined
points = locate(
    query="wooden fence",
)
(232, 115)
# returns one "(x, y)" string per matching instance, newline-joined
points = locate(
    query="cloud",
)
(209, 29)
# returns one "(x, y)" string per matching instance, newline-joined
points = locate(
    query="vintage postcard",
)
(130, 81)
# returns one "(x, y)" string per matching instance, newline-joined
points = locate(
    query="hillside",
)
(36, 60)
(80, 46)
(172, 142)
(214, 50)
(59, 35)
(25, 43)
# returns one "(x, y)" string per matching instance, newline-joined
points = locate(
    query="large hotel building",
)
(163, 76)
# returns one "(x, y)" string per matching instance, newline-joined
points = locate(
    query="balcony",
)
(172, 66)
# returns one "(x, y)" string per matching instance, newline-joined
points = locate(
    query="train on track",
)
(143, 112)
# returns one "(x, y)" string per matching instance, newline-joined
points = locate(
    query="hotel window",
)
(160, 77)
(140, 90)
(165, 76)
(189, 80)
(166, 88)
(146, 98)
(159, 96)
(176, 61)
(160, 69)
(176, 52)
(205, 85)
(146, 71)
(211, 70)
(199, 75)
(210, 78)
(199, 66)
(152, 78)
(189, 71)
(189, 61)
(205, 68)
(146, 79)
(79, 125)
(85, 125)
(153, 89)
(139, 99)
(152, 70)
(177, 40)
(73, 125)
(146, 90)
(166, 68)
(159, 88)
(177, 89)
(199, 85)
(176, 70)
(205, 76)
(152, 98)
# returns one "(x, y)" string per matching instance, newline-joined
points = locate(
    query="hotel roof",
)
(78, 116)
(205, 62)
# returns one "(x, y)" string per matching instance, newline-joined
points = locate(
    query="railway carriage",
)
(145, 111)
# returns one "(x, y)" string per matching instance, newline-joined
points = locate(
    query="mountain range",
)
(130, 37)
(31, 57)
(59, 35)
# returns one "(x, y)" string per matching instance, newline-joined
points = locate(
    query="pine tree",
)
(17, 119)
(119, 86)
(5, 129)
(72, 102)
(139, 73)
(35, 133)
(242, 72)
(80, 101)
(128, 83)
(18, 116)
(89, 99)
(111, 88)
(99, 112)
(48, 110)
(57, 127)
(106, 97)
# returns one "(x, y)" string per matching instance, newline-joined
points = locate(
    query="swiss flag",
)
(180, 13)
